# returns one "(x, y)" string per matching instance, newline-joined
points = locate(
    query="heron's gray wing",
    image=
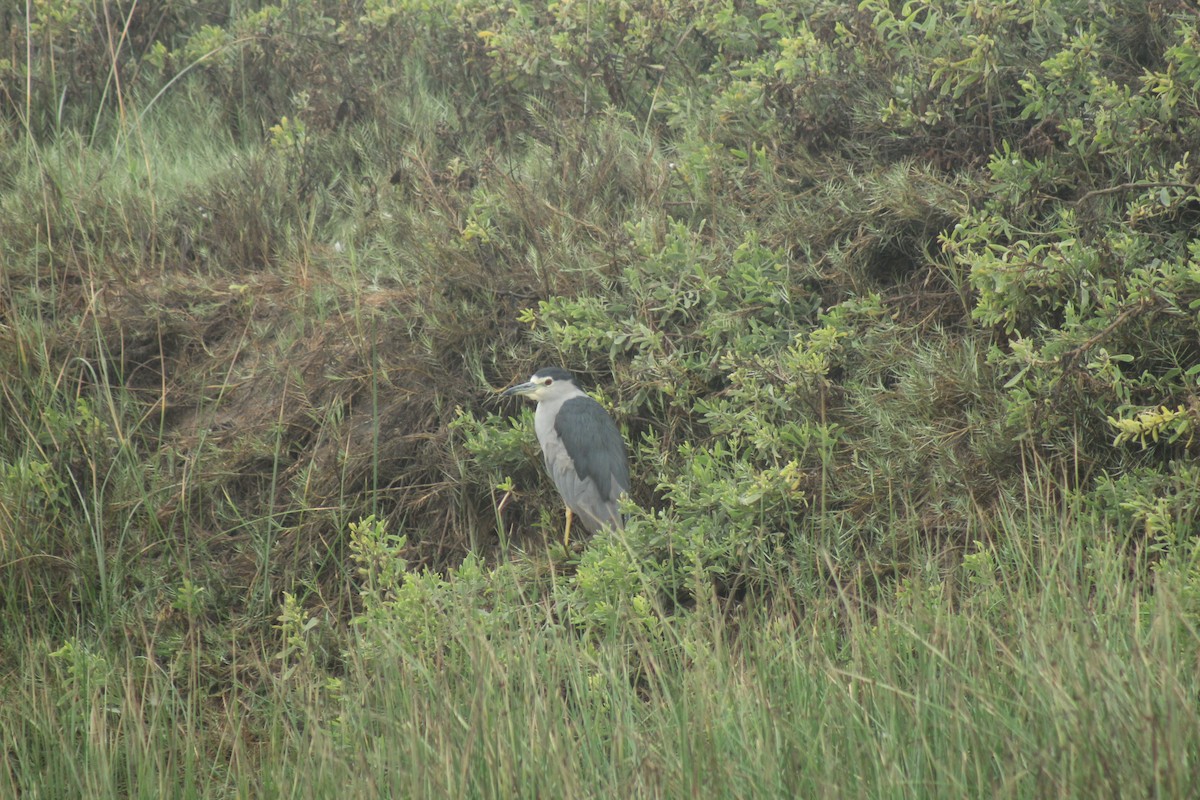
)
(595, 445)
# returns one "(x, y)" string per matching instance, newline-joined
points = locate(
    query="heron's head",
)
(546, 384)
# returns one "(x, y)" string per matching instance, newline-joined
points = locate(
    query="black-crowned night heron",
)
(585, 454)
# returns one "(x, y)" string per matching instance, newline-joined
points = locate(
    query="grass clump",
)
(1019, 681)
(893, 304)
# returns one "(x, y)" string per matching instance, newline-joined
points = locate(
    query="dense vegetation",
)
(898, 305)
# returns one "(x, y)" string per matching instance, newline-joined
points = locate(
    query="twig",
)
(1120, 320)
(1122, 187)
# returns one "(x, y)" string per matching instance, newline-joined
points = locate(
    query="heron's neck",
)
(547, 410)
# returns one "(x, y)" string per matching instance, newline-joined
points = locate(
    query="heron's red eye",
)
(548, 381)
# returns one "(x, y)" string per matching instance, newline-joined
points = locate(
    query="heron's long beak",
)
(520, 388)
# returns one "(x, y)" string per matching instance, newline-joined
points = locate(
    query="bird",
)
(584, 451)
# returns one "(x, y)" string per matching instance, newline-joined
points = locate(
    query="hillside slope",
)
(896, 304)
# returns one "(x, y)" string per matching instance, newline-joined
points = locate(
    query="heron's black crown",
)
(555, 373)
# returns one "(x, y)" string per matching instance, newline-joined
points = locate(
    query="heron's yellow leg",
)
(567, 533)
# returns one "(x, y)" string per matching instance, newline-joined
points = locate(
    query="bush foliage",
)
(864, 285)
